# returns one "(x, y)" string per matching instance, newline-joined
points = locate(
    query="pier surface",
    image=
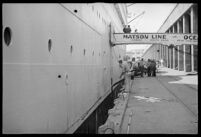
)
(165, 104)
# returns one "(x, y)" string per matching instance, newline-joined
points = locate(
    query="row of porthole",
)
(8, 33)
(8, 36)
(98, 14)
(71, 48)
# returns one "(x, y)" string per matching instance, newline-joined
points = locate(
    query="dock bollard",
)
(107, 128)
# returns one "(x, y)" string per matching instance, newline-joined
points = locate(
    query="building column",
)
(194, 29)
(159, 46)
(192, 58)
(167, 55)
(188, 47)
(165, 46)
(176, 48)
(158, 51)
(185, 30)
(179, 30)
(166, 49)
(163, 54)
(170, 54)
(178, 57)
(173, 52)
(155, 52)
(162, 50)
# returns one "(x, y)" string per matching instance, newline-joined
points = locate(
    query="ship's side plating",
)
(57, 62)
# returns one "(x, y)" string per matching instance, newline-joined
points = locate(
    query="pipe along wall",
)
(99, 116)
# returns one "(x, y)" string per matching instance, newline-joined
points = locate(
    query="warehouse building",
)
(183, 19)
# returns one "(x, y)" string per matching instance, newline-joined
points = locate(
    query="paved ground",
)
(172, 108)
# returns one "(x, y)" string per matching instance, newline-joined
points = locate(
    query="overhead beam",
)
(154, 38)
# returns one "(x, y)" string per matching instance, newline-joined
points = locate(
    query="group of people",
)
(133, 68)
(127, 29)
(151, 68)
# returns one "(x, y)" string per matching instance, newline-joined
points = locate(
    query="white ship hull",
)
(48, 90)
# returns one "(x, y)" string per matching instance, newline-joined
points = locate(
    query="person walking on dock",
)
(141, 67)
(132, 71)
(149, 68)
(126, 73)
(153, 68)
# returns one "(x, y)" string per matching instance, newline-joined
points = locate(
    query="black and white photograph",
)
(100, 68)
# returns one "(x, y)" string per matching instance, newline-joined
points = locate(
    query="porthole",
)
(99, 53)
(75, 11)
(93, 8)
(84, 52)
(71, 49)
(93, 53)
(49, 45)
(7, 36)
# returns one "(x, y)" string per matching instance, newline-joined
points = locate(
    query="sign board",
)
(154, 38)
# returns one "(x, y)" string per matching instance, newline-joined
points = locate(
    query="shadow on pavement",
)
(187, 80)
(159, 72)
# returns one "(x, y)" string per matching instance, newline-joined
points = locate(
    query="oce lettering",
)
(191, 37)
